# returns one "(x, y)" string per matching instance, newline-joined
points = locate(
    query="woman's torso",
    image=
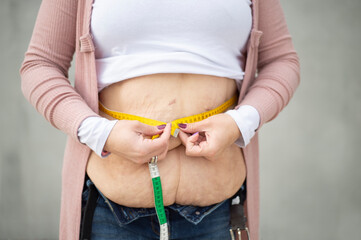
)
(155, 58)
(185, 180)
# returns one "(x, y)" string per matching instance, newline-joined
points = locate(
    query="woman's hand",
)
(132, 140)
(209, 138)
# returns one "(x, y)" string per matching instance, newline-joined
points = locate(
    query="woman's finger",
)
(200, 126)
(158, 145)
(166, 132)
(183, 137)
(163, 141)
(193, 139)
(194, 146)
(148, 130)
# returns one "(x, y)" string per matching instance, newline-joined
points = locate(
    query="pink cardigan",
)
(63, 27)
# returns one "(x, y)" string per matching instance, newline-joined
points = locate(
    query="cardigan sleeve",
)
(278, 64)
(44, 72)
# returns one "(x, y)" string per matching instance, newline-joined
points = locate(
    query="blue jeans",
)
(112, 221)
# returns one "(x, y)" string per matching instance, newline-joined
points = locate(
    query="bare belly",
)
(185, 180)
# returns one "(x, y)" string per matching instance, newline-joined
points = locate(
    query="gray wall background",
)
(310, 155)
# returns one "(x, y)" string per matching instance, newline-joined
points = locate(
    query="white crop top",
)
(140, 37)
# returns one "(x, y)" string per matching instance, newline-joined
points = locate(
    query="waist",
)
(169, 96)
(175, 123)
(166, 97)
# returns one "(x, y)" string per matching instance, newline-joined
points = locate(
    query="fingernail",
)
(194, 133)
(161, 127)
(182, 125)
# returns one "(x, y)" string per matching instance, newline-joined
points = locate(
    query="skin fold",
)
(200, 167)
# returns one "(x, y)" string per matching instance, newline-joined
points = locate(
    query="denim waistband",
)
(125, 215)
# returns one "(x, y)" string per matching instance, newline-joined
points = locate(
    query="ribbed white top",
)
(141, 37)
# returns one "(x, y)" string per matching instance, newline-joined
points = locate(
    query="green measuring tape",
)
(158, 198)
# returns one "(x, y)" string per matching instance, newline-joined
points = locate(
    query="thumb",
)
(150, 130)
(193, 127)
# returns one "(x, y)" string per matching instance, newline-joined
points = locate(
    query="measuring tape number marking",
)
(158, 199)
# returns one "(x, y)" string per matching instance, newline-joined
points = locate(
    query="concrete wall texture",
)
(310, 155)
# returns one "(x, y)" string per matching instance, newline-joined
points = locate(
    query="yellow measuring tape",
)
(175, 128)
(153, 167)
